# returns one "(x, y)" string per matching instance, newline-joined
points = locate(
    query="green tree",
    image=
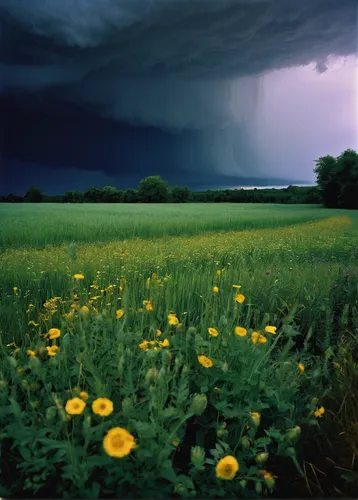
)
(153, 189)
(33, 195)
(92, 195)
(180, 194)
(337, 179)
(110, 194)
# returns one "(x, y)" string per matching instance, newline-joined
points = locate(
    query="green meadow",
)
(189, 350)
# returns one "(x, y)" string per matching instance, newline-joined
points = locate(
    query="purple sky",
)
(304, 114)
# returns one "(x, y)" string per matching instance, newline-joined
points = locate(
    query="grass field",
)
(215, 331)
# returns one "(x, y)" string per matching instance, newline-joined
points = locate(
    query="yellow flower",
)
(102, 407)
(158, 333)
(84, 310)
(227, 468)
(148, 305)
(140, 310)
(78, 277)
(172, 319)
(213, 332)
(204, 361)
(15, 290)
(257, 338)
(240, 298)
(144, 344)
(218, 273)
(215, 289)
(319, 412)
(236, 286)
(51, 351)
(165, 343)
(75, 406)
(119, 313)
(30, 353)
(301, 367)
(176, 443)
(118, 442)
(271, 329)
(83, 395)
(240, 331)
(54, 333)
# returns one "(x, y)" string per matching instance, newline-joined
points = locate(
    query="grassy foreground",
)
(213, 364)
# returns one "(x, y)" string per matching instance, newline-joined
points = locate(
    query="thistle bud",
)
(51, 413)
(198, 457)
(255, 419)
(166, 357)
(269, 481)
(245, 443)
(222, 433)
(181, 489)
(199, 404)
(225, 367)
(243, 483)
(127, 406)
(191, 330)
(261, 458)
(294, 433)
(34, 364)
(152, 376)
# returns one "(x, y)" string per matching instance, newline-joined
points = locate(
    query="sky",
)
(205, 93)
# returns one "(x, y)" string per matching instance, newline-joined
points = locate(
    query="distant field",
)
(37, 225)
(214, 330)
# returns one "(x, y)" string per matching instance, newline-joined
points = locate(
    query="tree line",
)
(337, 187)
(153, 189)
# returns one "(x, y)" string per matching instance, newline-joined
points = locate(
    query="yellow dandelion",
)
(271, 329)
(215, 289)
(239, 298)
(301, 367)
(158, 333)
(119, 313)
(54, 333)
(257, 338)
(319, 412)
(75, 406)
(31, 353)
(240, 331)
(148, 305)
(143, 345)
(84, 395)
(15, 290)
(53, 350)
(118, 442)
(227, 468)
(78, 276)
(172, 319)
(102, 407)
(84, 311)
(213, 332)
(236, 286)
(204, 361)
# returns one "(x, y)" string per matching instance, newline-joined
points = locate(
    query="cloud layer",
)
(196, 66)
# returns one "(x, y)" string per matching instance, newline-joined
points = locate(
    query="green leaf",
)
(167, 472)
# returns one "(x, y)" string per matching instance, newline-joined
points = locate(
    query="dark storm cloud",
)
(191, 67)
(169, 51)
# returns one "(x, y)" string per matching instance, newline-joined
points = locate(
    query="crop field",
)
(178, 351)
